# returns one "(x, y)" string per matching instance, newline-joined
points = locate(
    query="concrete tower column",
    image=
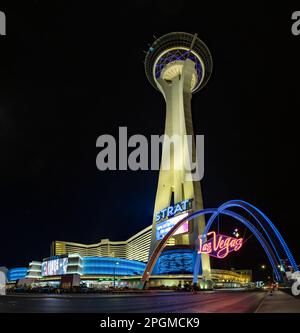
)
(179, 64)
(177, 95)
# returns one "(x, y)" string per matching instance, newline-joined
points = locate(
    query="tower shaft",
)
(173, 182)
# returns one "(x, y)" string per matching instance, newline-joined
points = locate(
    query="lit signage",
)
(171, 211)
(55, 267)
(218, 245)
(164, 227)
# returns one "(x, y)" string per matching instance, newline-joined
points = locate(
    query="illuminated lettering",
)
(163, 213)
(219, 246)
(186, 204)
(173, 210)
(177, 209)
(170, 211)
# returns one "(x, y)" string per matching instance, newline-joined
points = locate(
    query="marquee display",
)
(164, 227)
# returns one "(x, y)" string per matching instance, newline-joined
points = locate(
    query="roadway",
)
(154, 302)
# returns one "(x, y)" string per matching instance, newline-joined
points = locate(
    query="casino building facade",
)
(118, 264)
(134, 248)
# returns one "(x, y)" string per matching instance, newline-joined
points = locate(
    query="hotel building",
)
(135, 248)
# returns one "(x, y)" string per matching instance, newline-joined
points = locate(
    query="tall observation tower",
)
(178, 64)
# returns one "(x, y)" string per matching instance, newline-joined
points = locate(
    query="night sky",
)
(72, 71)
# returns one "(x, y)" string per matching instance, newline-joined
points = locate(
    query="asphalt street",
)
(171, 302)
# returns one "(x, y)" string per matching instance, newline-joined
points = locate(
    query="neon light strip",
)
(260, 239)
(254, 231)
(214, 213)
(226, 205)
(238, 203)
(242, 204)
(282, 241)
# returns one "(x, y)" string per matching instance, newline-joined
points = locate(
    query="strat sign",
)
(218, 245)
(163, 226)
(171, 211)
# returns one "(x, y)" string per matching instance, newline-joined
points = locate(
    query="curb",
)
(261, 302)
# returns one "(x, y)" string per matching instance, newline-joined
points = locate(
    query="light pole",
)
(263, 267)
(116, 263)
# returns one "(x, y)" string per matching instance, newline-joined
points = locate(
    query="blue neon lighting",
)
(271, 252)
(257, 220)
(112, 266)
(241, 219)
(175, 261)
(258, 236)
(223, 207)
(17, 273)
(244, 205)
(282, 241)
(175, 55)
(244, 221)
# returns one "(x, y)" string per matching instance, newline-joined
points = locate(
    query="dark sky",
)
(71, 71)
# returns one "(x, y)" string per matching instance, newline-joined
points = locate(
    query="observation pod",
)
(166, 56)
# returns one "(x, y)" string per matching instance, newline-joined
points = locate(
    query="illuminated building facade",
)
(62, 265)
(134, 248)
(17, 273)
(174, 266)
(97, 271)
(112, 266)
(75, 264)
(178, 64)
(221, 276)
(57, 266)
(34, 270)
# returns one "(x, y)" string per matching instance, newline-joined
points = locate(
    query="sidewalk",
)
(280, 302)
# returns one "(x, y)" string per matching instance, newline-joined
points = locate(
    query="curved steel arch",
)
(277, 233)
(268, 250)
(157, 251)
(225, 206)
(253, 211)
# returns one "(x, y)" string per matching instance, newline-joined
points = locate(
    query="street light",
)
(116, 263)
(263, 267)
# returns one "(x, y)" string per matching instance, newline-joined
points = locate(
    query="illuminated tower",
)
(178, 64)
